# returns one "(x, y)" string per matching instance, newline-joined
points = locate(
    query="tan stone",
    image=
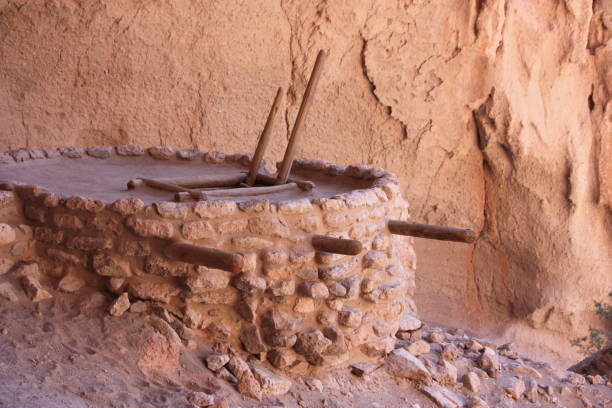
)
(120, 305)
(147, 228)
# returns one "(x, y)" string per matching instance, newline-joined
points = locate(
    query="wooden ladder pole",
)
(285, 169)
(264, 139)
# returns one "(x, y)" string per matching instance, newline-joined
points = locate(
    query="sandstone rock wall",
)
(495, 113)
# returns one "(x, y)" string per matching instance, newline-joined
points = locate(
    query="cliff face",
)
(496, 114)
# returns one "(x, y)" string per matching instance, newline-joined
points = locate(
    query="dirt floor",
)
(69, 352)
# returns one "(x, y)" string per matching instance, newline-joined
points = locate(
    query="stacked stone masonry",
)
(289, 302)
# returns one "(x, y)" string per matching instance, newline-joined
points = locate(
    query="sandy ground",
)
(68, 352)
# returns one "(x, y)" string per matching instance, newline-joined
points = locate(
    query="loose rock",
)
(120, 305)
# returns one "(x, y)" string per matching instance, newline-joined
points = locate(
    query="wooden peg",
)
(290, 152)
(336, 245)
(264, 139)
(209, 257)
(414, 229)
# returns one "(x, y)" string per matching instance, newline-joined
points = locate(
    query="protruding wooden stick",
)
(303, 185)
(209, 257)
(415, 229)
(285, 169)
(264, 139)
(336, 245)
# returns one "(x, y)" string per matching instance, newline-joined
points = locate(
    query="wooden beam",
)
(283, 173)
(414, 229)
(264, 139)
(205, 181)
(336, 245)
(209, 257)
(249, 191)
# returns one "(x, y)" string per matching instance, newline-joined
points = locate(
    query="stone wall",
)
(288, 298)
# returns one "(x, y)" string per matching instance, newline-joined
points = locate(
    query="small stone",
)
(446, 373)
(215, 362)
(139, 307)
(150, 228)
(418, 347)
(214, 157)
(268, 226)
(7, 234)
(167, 209)
(271, 384)
(120, 305)
(514, 387)
(315, 290)
(130, 150)
(350, 317)
(201, 399)
(238, 367)
(72, 152)
(337, 289)
(282, 287)
(188, 154)
(254, 206)
(251, 243)
(89, 243)
(308, 273)
(70, 283)
(251, 340)
(277, 320)
(362, 369)
(281, 358)
(335, 304)
(443, 397)
(409, 322)
(471, 381)
(235, 226)
(334, 273)
(214, 209)
(473, 345)
(159, 290)
(250, 285)
(295, 206)
(100, 152)
(116, 285)
(450, 352)
(247, 308)
(207, 279)
(304, 305)
(106, 265)
(127, 206)
(249, 386)
(435, 337)
(375, 259)
(489, 361)
(162, 152)
(33, 288)
(77, 203)
(197, 230)
(311, 343)
(403, 364)
(8, 292)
